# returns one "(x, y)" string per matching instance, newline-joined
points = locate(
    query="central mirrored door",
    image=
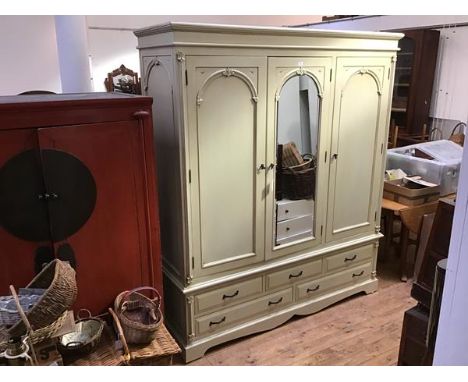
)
(298, 110)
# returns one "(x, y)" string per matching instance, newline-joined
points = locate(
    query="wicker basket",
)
(85, 338)
(299, 181)
(139, 315)
(458, 138)
(58, 278)
(106, 353)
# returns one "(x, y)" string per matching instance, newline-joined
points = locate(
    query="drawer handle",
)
(286, 211)
(295, 275)
(359, 274)
(275, 302)
(313, 289)
(218, 322)
(225, 296)
(350, 258)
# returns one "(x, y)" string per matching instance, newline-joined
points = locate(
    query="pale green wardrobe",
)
(237, 258)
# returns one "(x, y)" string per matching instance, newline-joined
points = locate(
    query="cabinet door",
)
(360, 119)
(111, 245)
(226, 129)
(299, 106)
(24, 228)
(158, 83)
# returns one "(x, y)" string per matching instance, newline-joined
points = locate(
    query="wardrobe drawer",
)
(227, 317)
(294, 274)
(292, 238)
(349, 258)
(294, 226)
(317, 287)
(288, 209)
(229, 295)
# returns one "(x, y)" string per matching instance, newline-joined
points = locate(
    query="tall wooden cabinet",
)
(236, 259)
(77, 182)
(414, 79)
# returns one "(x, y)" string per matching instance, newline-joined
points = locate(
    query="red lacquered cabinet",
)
(78, 182)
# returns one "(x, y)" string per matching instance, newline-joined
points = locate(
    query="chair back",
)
(123, 80)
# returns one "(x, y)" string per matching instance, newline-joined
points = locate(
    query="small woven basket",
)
(140, 316)
(85, 338)
(58, 278)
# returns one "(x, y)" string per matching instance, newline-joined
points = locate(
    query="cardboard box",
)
(400, 192)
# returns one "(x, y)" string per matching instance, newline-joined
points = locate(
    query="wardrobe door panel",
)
(226, 101)
(359, 130)
(24, 234)
(299, 106)
(158, 83)
(103, 229)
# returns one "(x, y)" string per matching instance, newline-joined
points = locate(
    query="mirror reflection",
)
(297, 143)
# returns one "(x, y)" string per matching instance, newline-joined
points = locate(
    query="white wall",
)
(108, 50)
(112, 42)
(28, 54)
(289, 117)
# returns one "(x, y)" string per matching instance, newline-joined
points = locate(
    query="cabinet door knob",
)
(335, 156)
(271, 166)
(261, 167)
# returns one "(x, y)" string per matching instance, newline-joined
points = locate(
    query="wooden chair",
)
(411, 219)
(404, 139)
(123, 80)
(392, 135)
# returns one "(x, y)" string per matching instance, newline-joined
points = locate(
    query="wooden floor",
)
(361, 330)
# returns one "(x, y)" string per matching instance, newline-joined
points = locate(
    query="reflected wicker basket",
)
(299, 181)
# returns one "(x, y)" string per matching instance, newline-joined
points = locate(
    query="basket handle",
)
(73, 344)
(89, 315)
(127, 355)
(128, 293)
(20, 309)
(458, 125)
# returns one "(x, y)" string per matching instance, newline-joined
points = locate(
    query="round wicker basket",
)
(139, 315)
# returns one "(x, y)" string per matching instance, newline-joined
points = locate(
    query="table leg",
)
(404, 252)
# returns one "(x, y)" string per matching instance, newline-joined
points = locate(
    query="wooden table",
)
(410, 217)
